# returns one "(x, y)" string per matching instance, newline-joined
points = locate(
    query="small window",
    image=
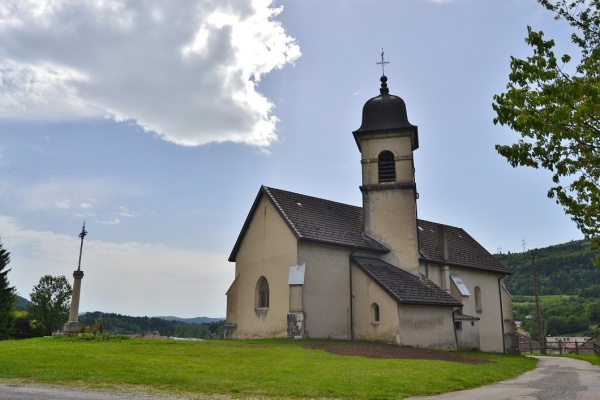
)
(458, 325)
(462, 288)
(478, 308)
(375, 312)
(387, 167)
(262, 293)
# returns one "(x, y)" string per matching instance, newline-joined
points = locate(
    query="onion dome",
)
(385, 113)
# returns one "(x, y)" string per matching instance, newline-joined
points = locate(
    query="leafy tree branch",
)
(557, 113)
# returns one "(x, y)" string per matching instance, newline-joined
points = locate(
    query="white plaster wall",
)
(507, 310)
(366, 292)
(390, 211)
(468, 336)
(391, 218)
(434, 272)
(490, 323)
(399, 144)
(426, 326)
(268, 249)
(326, 290)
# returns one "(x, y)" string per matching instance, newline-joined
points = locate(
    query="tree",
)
(593, 311)
(556, 109)
(7, 297)
(51, 298)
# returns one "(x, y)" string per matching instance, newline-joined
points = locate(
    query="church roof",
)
(328, 222)
(405, 287)
(462, 249)
(316, 220)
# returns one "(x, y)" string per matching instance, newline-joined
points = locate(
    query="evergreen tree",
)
(7, 297)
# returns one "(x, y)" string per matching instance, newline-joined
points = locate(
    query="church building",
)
(315, 268)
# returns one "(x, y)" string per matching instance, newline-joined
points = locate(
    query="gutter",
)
(501, 314)
(351, 296)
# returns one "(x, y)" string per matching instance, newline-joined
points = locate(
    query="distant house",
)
(310, 267)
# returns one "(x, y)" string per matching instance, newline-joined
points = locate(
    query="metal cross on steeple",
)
(81, 235)
(382, 63)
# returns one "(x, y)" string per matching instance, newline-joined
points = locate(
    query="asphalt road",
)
(9, 392)
(555, 378)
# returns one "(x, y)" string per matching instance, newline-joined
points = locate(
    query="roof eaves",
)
(382, 250)
(506, 271)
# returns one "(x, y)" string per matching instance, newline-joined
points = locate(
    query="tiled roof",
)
(462, 249)
(316, 220)
(465, 317)
(405, 287)
(325, 221)
(337, 224)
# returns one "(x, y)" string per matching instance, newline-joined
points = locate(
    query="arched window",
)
(375, 312)
(262, 293)
(478, 300)
(387, 167)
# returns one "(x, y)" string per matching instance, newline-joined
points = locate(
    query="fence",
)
(560, 347)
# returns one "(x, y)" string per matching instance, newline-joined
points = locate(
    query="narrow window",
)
(478, 300)
(387, 167)
(262, 293)
(375, 312)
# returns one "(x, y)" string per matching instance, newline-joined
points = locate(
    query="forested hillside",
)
(22, 303)
(568, 285)
(124, 324)
(564, 269)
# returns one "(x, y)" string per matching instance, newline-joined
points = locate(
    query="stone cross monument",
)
(72, 325)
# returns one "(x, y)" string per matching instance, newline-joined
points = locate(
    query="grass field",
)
(594, 360)
(260, 368)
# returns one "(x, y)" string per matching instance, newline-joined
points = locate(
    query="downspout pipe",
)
(351, 296)
(501, 314)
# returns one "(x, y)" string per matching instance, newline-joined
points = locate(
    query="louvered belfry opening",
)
(387, 167)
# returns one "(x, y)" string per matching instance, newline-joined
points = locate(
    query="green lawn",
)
(264, 368)
(594, 360)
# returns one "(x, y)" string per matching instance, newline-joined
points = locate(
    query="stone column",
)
(72, 325)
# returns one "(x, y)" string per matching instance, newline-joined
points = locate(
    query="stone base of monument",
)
(72, 327)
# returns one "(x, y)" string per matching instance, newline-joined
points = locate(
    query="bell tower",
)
(386, 141)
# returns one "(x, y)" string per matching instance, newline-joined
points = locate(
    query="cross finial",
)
(382, 63)
(81, 235)
(83, 232)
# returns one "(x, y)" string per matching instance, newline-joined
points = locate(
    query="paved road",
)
(555, 378)
(8, 392)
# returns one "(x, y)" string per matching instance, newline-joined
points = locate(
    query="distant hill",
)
(563, 269)
(22, 303)
(196, 320)
(124, 324)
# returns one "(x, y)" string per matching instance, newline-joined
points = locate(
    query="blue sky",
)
(157, 122)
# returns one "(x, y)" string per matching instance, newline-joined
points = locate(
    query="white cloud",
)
(126, 278)
(87, 204)
(115, 221)
(68, 193)
(188, 72)
(63, 204)
(124, 212)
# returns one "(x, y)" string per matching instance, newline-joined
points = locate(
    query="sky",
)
(156, 123)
